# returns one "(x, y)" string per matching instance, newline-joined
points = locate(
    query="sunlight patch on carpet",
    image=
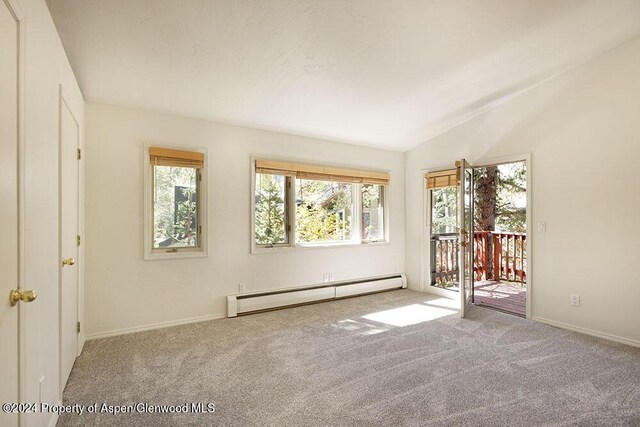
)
(410, 314)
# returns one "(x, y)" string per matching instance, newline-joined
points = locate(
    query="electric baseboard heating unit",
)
(263, 301)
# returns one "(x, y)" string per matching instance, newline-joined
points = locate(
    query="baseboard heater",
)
(281, 298)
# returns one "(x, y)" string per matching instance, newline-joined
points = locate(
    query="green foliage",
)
(186, 218)
(511, 200)
(270, 209)
(505, 207)
(444, 208)
(323, 211)
(175, 224)
(373, 214)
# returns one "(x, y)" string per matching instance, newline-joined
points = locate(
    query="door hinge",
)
(78, 240)
(199, 229)
(78, 327)
(79, 154)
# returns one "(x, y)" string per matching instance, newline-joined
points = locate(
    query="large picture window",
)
(310, 205)
(176, 199)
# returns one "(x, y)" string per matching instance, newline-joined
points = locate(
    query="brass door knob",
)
(19, 295)
(68, 261)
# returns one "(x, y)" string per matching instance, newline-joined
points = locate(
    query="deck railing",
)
(497, 256)
(444, 259)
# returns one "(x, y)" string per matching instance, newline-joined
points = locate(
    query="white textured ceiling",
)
(383, 73)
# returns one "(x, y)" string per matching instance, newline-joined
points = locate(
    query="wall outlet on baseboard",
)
(241, 288)
(575, 300)
(327, 277)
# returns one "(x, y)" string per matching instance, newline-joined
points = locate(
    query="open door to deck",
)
(465, 235)
(500, 213)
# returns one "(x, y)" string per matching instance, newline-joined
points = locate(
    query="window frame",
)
(385, 211)
(151, 253)
(290, 209)
(288, 187)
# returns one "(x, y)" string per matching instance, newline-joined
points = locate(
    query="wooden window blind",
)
(321, 173)
(442, 179)
(177, 158)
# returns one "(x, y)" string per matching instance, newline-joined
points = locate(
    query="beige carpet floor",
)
(396, 358)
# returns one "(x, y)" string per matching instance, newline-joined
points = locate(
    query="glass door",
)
(465, 235)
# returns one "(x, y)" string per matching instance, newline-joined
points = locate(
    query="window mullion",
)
(357, 213)
(291, 209)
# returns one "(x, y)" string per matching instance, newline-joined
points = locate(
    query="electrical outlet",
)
(331, 277)
(542, 226)
(325, 278)
(575, 300)
(241, 288)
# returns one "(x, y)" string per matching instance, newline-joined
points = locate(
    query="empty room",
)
(320, 213)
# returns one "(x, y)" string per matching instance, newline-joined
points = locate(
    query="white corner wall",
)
(125, 293)
(583, 132)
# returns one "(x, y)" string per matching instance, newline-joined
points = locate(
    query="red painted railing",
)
(504, 259)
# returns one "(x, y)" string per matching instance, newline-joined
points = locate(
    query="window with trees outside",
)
(271, 212)
(307, 205)
(176, 197)
(324, 211)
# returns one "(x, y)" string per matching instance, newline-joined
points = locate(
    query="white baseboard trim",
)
(622, 340)
(125, 331)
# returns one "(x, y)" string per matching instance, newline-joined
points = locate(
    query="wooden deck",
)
(503, 296)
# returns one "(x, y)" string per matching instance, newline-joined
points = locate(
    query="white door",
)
(69, 143)
(9, 268)
(465, 235)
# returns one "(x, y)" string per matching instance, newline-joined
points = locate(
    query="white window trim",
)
(356, 238)
(201, 252)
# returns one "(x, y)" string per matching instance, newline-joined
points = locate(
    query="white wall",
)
(583, 131)
(46, 68)
(124, 291)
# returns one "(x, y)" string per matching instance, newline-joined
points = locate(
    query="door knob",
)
(19, 295)
(68, 261)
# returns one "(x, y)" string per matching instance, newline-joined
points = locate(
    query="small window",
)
(176, 201)
(373, 213)
(175, 207)
(270, 209)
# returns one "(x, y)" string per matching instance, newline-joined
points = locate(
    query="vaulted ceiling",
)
(383, 73)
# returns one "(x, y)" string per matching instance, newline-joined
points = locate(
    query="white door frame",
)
(15, 8)
(63, 103)
(512, 159)
(426, 225)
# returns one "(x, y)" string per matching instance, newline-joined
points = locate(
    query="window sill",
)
(157, 256)
(259, 250)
